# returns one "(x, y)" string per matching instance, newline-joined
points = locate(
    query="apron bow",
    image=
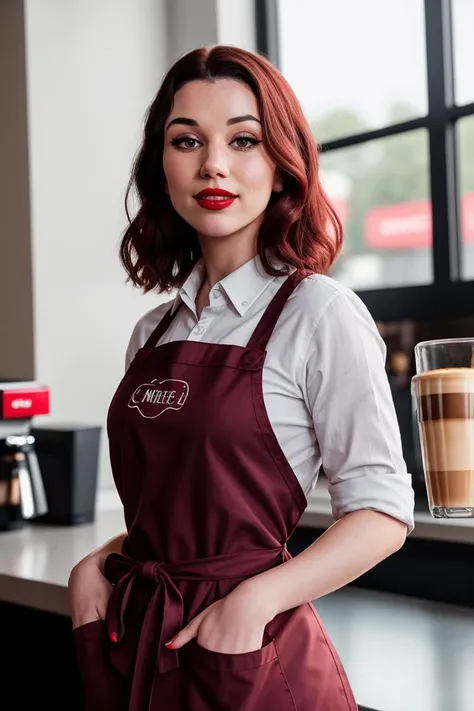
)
(164, 615)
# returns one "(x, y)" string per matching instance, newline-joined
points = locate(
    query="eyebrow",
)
(230, 122)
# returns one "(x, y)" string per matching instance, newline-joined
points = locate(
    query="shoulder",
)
(143, 329)
(332, 323)
(321, 299)
(341, 340)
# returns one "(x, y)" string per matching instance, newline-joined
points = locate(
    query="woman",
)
(235, 391)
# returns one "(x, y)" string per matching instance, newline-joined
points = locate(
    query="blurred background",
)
(369, 79)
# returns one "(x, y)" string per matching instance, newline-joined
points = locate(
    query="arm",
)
(349, 548)
(348, 394)
(89, 591)
(98, 555)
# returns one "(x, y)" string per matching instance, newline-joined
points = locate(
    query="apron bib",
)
(209, 500)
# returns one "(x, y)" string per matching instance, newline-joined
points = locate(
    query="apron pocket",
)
(104, 689)
(90, 630)
(249, 682)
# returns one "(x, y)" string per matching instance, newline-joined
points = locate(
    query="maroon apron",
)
(209, 500)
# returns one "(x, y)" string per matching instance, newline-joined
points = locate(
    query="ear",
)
(278, 181)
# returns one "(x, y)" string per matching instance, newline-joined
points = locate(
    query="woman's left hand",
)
(233, 625)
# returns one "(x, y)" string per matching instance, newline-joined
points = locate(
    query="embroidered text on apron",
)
(209, 500)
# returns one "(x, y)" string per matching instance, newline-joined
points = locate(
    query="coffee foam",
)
(444, 380)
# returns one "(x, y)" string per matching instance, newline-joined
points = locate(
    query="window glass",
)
(380, 190)
(354, 66)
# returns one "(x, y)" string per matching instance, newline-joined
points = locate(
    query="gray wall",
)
(16, 297)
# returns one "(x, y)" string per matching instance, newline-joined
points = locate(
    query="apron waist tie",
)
(165, 606)
(164, 615)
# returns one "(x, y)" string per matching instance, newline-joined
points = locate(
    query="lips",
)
(215, 198)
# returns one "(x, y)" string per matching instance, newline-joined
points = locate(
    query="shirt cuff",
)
(387, 492)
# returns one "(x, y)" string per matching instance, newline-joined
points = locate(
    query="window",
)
(388, 90)
(370, 73)
(381, 192)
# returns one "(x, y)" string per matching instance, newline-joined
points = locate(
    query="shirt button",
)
(244, 303)
(199, 329)
(216, 292)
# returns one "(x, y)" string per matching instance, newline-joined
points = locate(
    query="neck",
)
(224, 257)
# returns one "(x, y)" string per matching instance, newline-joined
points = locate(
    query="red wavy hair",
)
(300, 228)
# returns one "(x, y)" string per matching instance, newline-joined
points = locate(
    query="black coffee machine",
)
(22, 493)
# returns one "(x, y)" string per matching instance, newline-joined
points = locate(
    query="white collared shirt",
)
(324, 381)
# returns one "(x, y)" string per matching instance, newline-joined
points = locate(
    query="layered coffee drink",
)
(445, 411)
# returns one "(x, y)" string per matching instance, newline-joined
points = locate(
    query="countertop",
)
(401, 654)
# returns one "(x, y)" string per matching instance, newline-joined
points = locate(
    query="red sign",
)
(409, 225)
(24, 403)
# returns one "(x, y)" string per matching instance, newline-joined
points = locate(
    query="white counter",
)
(35, 561)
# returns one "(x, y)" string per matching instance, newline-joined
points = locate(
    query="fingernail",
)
(169, 644)
(113, 637)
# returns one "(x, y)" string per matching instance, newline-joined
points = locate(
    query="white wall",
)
(93, 67)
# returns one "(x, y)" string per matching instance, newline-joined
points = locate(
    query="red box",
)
(23, 403)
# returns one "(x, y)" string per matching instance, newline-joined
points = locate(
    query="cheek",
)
(259, 173)
(177, 171)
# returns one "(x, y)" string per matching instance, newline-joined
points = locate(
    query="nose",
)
(214, 165)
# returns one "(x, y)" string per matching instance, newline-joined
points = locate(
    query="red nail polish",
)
(113, 637)
(169, 645)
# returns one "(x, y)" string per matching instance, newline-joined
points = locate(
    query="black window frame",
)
(448, 295)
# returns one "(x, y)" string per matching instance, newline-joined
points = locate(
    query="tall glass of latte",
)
(443, 392)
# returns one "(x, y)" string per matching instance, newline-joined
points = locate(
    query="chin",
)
(216, 232)
(218, 226)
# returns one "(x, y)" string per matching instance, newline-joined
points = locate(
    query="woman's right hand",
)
(89, 592)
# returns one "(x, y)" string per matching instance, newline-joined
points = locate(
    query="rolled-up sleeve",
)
(353, 413)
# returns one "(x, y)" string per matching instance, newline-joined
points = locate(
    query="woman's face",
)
(213, 139)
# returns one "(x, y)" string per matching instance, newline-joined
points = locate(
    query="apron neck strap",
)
(162, 327)
(267, 323)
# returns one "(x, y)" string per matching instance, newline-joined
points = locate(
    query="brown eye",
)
(244, 143)
(185, 143)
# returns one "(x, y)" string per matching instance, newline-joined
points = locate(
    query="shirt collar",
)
(246, 284)
(190, 288)
(242, 287)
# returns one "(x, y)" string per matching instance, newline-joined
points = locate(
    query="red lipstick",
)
(215, 198)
